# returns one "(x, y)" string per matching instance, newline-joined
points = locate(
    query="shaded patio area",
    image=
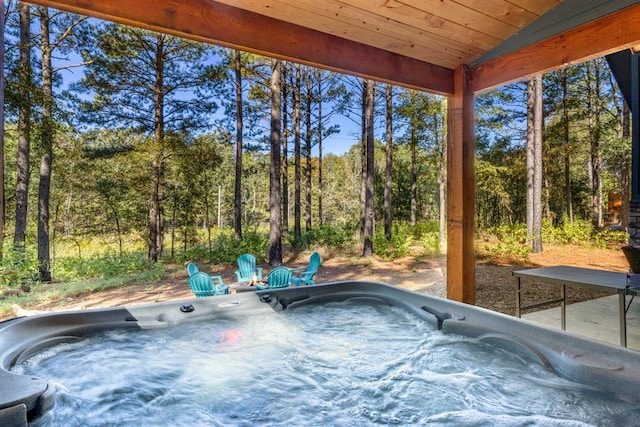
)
(597, 319)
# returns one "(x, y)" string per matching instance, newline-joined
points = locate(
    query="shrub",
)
(330, 236)
(18, 267)
(397, 247)
(604, 238)
(103, 266)
(578, 231)
(431, 242)
(509, 249)
(423, 228)
(513, 232)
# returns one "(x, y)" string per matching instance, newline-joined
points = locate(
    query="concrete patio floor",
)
(597, 319)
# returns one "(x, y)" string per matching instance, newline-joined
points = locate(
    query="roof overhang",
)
(574, 31)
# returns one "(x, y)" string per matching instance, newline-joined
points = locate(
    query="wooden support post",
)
(461, 190)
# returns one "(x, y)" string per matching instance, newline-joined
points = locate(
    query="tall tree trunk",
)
(174, 216)
(275, 201)
(307, 154)
(237, 195)
(567, 147)
(156, 231)
(2, 116)
(320, 130)
(414, 174)
(44, 185)
(297, 214)
(595, 166)
(442, 195)
(440, 138)
(24, 118)
(369, 213)
(537, 176)
(626, 168)
(530, 158)
(534, 163)
(285, 150)
(388, 172)
(363, 157)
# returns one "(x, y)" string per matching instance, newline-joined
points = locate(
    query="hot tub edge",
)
(576, 358)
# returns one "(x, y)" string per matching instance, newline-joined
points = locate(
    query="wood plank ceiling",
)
(414, 43)
(440, 32)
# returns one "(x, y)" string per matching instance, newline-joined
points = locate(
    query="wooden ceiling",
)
(440, 32)
(414, 43)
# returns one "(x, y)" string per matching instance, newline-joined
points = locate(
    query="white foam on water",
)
(347, 363)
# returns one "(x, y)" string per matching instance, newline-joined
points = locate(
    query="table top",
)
(588, 277)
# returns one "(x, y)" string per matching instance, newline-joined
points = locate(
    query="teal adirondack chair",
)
(192, 269)
(247, 270)
(203, 285)
(306, 277)
(279, 277)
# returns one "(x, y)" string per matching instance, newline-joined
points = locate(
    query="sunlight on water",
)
(335, 364)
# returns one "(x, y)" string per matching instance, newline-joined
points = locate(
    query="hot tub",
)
(592, 367)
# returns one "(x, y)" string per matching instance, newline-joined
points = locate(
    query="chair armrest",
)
(297, 269)
(259, 272)
(217, 279)
(307, 274)
(239, 276)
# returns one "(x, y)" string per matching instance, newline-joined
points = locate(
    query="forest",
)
(123, 149)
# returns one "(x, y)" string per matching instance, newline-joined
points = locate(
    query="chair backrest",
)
(192, 269)
(314, 262)
(246, 265)
(201, 285)
(279, 277)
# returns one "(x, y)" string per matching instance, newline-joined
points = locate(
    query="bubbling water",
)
(345, 363)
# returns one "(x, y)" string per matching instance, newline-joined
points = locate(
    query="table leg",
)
(563, 307)
(518, 310)
(622, 307)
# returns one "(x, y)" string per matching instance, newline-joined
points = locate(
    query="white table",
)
(581, 277)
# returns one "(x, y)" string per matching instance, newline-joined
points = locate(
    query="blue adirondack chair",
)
(305, 275)
(247, 270)
(192, 269)
(203, 285)
(279, 277)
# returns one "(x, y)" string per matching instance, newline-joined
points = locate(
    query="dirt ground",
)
(495, 286)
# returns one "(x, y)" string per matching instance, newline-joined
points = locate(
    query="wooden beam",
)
(603, 36)
(461, 190)
(219, 24)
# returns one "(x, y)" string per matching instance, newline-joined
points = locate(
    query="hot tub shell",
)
(578, 359)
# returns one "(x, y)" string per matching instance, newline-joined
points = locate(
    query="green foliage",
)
(226, 249)
(512, 232)
(578, 232)
(18, 267)
(605, 238)
(104, 266)
(331, 236)
(510, 248)
(328, 235)
(399, 245)
(423, 228)
(431, 242)
(510, 241)
(507, 241)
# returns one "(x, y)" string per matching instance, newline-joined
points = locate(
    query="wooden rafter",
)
(224, 25)
(603, 36)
